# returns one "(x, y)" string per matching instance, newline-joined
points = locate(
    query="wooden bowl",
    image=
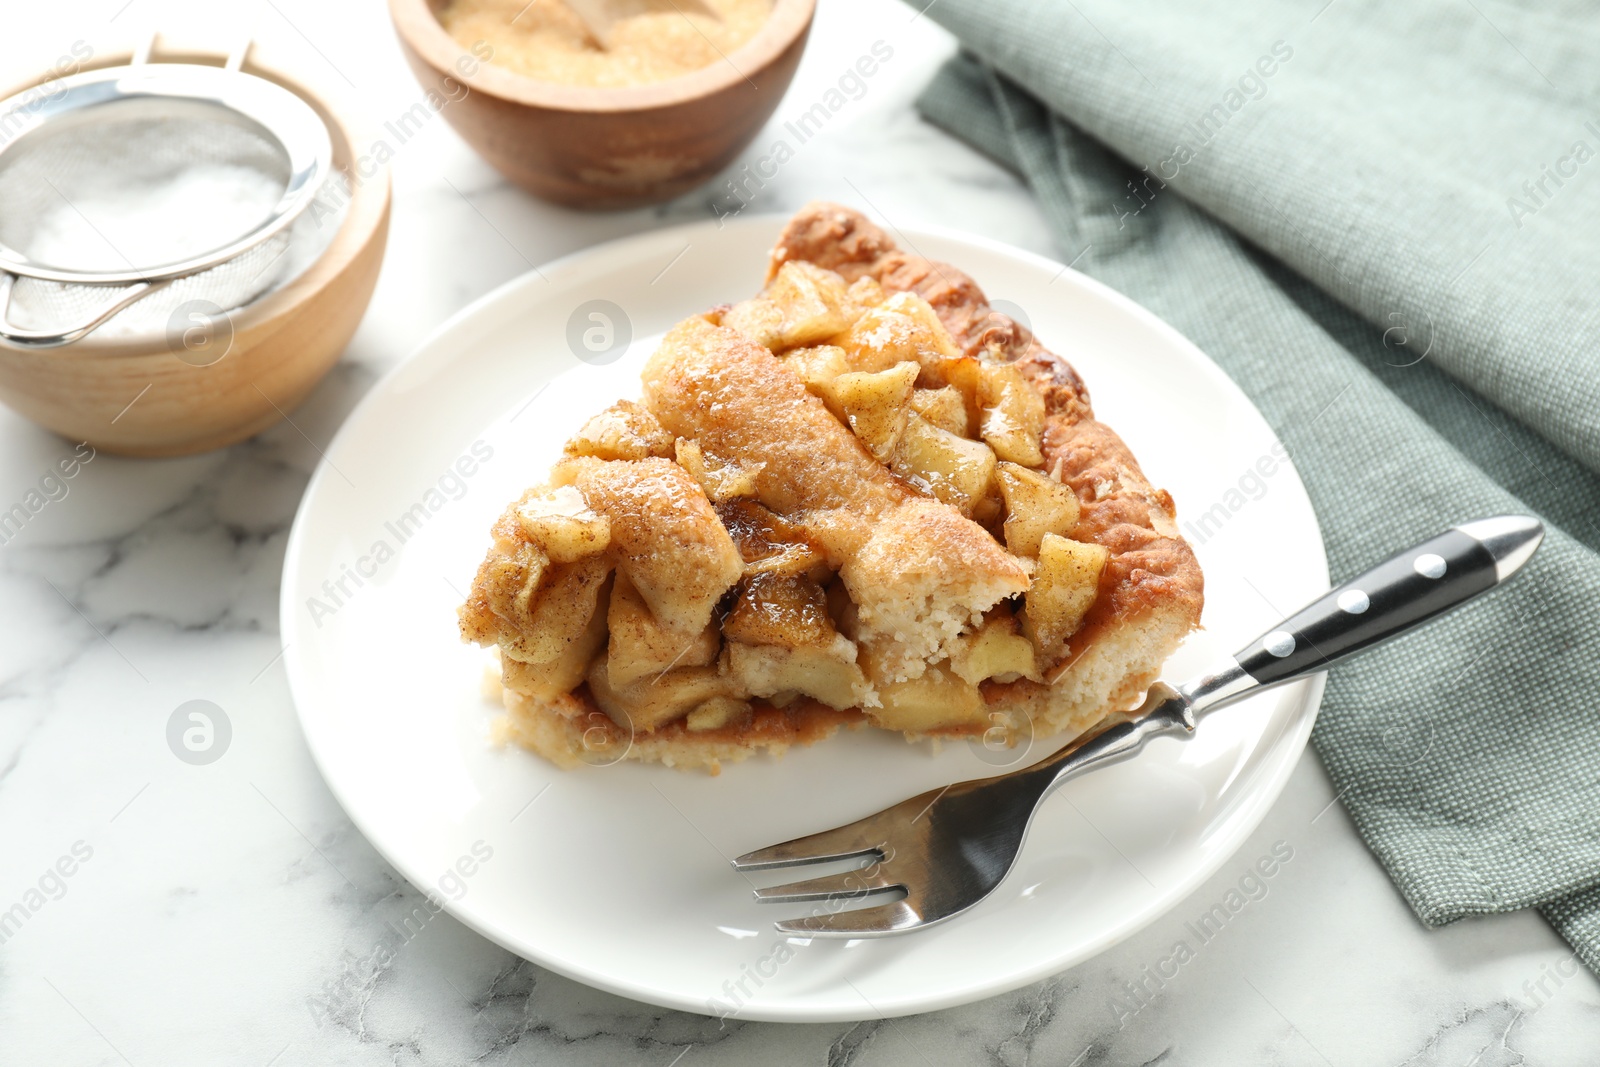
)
(607, 147)
(135, 396)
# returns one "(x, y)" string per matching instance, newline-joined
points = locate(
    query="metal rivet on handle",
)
(1354, 601)
(1429, 565)
(1279, 642)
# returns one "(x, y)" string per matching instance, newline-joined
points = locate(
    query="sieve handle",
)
(56, 338)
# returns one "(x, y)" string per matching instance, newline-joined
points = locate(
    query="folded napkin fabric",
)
(1380, 220)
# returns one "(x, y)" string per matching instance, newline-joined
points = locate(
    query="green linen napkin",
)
(1380, 219)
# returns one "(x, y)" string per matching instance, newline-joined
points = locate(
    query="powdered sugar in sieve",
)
(137, 191)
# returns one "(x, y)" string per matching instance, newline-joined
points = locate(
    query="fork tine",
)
(860, 838)
(862, 922)
(850, 884)
(840, 843)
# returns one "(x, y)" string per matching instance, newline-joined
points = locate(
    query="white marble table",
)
(208, 907)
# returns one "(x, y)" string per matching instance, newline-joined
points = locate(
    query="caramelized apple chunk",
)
(652, 702)
(997, 649)
(559, 612)
(641, 646)
(865, 291)
(770, 543)
(951, 469)
(781, 639)
(803, 304)
(625, 430)
(502, 590)
(758, 319)
(826, 674)
(779, 609)
(875, 405)
(1063, 591)
(816, 303)
(720, 479)
(901, 327)
(716, 713)
(939, 699)
(817, 366)
(944, 407)
(1007, 409)
(560, 522)
(553, 677)
(1035, 505)
(1013, 415)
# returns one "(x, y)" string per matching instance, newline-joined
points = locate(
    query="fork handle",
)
(1406, 590)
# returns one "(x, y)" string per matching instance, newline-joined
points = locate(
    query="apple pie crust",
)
(862, 497)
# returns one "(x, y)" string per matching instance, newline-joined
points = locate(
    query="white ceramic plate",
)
(618, 876)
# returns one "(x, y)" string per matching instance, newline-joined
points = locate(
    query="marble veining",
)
(230, 913)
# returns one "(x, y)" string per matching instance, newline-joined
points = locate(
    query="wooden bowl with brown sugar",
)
(146, 395)
(606, 147)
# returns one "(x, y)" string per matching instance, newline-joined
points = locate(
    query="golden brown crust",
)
(709, 383)
(830, 236)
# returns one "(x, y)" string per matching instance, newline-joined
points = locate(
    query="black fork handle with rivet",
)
(1429, 579)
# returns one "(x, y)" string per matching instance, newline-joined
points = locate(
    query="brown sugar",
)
(544, 39)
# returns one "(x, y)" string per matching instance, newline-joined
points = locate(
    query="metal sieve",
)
(59, 149)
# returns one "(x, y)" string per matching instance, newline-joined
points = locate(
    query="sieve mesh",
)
(136, 185)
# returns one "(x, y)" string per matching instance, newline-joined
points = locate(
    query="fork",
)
(947, 849)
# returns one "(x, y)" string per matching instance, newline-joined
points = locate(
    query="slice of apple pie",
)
(862, 497)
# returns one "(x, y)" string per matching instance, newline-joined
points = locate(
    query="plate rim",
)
(1257, 804)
